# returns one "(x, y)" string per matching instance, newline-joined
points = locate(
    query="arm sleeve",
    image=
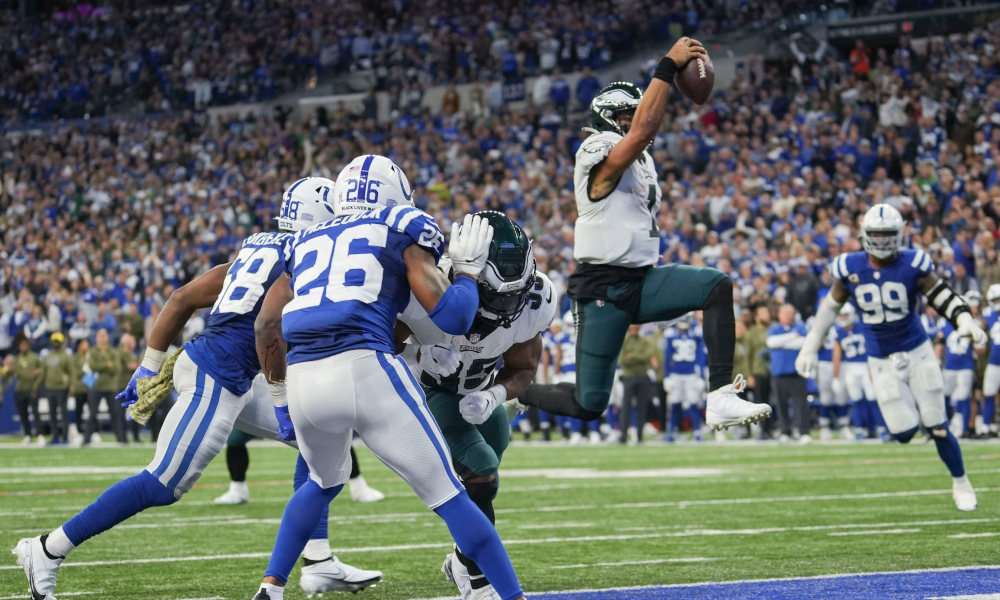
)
(826, 316)
(457, 308)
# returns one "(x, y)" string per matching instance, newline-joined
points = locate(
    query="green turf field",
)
(573, 517)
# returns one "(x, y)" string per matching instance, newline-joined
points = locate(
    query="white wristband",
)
(499, 392)
(153, 358)
(278, 393)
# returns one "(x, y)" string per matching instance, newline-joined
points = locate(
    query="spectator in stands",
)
(784, 339)
(57, 371)
(638, 357)
(28, 372)
(36, 329)
(586, 88)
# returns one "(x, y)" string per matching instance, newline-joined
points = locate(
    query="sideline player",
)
(832, 399)
(850, 365)
(959, 373)
(616, 247)
(991, 379)
(218, 387)
(350, 278)
(882, 283)
(684, 378)
(516, 305)
(238, 462)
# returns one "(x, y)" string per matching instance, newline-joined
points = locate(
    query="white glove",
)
(477, 407)
(969, 327)
(440, 360)
(838, 387)
(668, 385)
(470, 245)
(805, 363)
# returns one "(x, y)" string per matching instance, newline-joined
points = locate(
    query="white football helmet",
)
(370, 182)
(993, 296)
(973, 298)
(305, 203)
(847, 316)
(882, 231)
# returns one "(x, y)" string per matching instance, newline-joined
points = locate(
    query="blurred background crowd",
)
(100, 220)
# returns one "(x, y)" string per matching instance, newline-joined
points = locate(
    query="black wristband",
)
(665, 69)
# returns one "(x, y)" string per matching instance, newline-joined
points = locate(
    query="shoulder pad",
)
(418, 225)
(920, 261)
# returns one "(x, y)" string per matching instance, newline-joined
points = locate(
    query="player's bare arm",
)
(271, 346)
(826, 316)
(520, 362)
(427, 282)
(644, 124)
(200, 293)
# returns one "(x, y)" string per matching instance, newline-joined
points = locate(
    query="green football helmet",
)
(509, 273)
(614, 100)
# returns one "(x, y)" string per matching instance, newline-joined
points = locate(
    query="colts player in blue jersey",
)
(684, 363)
(331, 329)
(959, 373)
(850, 370)
(216, 378)
(832, 399)
(883, 283)
(991, 379)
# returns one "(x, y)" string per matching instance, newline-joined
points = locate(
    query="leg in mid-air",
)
(393, 410)
(476, 452)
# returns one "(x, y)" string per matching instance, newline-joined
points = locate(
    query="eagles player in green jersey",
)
(616, 246)
(462, 381)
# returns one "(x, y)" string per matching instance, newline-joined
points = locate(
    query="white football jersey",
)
(480, 355)
(620, 229)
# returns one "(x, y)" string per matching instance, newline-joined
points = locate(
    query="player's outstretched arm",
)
(646, 121)
(826, 316)
(952, 307)
(451, 306)
(520, 362)
(272, 351)
(199, 293)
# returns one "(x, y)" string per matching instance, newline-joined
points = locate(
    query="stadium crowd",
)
(766, 182)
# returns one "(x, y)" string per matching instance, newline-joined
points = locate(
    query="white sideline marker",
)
(962, 536)
(636, 562)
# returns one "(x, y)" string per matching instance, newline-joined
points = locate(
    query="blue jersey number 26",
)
(331, 265)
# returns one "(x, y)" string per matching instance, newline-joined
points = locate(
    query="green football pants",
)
(668, 292)
(476, 450)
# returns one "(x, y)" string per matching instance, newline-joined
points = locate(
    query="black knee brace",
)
(482, 494)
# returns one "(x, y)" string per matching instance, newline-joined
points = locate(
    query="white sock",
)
(358, 481)
(274, 592)
(963, 480)
(239, 487)
(58, 544)
(317, 550)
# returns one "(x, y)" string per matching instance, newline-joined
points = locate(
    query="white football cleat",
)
(805, 439)
(331, 575)
(575, 438)
(26, 441)
(455, 572)
(595, 437)
(40, 569)
(361, 492)
(963, 494)
(825, 435)
(485, 593)
(726, 408)
(238, 493)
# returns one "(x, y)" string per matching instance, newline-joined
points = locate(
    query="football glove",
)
(152, 391)
(285, 428)
(805, 363)
(439, 359)
(470, 245)
(130, 394)
(477, 407)
(969, 327)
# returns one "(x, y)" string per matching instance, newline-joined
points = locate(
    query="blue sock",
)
(859, 413)
(124, 499)
(824, 413)
(962, 407)
(675, 419)
(544, 419)
(303, 512)
(576, 425)
(989, 408)
(477, 538)
(595, 426)
(611, 417)
(694, 413)
(949, 451)
(949, 407)
(302, 476)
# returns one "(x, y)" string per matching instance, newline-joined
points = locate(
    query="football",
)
(696, 80)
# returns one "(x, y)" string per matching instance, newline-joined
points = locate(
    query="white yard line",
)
(636, 562)
(771, 580)
(530, 541)
(875, 532)
(962, 536)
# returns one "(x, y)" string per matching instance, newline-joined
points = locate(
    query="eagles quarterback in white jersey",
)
(219, 386)
(460, 374)
(882, 283)
(616, 246)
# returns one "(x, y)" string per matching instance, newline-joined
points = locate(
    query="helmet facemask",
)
(504, 285)
(882, 243)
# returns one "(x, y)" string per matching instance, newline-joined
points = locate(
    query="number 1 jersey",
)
(349, 281)
(226, 349)
(886, 298)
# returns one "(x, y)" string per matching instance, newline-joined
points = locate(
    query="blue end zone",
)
(942, 584)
